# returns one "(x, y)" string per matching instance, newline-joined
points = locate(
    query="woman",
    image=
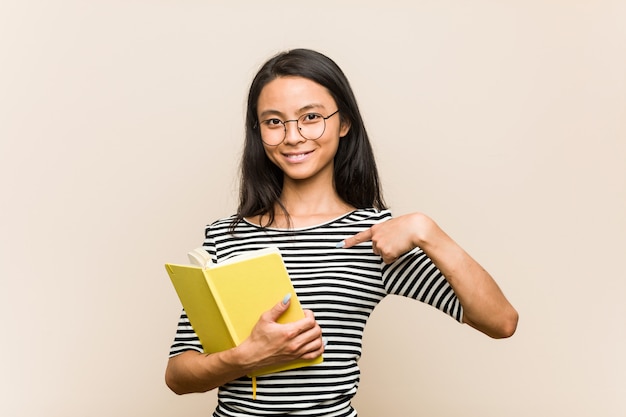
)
(309, 186)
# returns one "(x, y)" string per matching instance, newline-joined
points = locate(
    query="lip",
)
(297, 157)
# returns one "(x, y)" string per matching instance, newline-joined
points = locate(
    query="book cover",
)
(224, 301)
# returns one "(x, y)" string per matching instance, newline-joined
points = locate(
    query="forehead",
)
(290, 94)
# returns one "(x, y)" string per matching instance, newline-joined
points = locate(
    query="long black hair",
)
(355, 173)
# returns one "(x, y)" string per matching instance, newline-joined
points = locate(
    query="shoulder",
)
(223, 221)
(365, 217)
(220, 225)
(372, 214)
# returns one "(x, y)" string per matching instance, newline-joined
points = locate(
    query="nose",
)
(292, 132)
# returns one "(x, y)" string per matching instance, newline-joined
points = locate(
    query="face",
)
(289, 98)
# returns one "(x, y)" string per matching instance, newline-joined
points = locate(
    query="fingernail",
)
(325, 341)
(286, 298)
(340, 244)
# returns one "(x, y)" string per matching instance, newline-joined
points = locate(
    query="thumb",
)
(275, 312)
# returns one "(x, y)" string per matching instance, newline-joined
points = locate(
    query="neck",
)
(311, 197)
(308, 204)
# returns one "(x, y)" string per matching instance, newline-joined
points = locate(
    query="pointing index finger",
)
(360, 237)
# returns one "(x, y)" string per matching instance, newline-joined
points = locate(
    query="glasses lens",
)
(311, 126)
(272, 131)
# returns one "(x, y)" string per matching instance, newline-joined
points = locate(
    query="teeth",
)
(296, 156)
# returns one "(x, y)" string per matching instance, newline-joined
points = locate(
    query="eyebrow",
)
(303, 109)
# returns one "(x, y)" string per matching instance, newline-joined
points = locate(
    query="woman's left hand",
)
(395, 237)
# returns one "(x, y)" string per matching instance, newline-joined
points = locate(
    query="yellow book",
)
(224, 301)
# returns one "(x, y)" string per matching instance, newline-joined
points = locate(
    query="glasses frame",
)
(284, 123)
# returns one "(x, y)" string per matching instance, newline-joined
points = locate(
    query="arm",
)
(192, 371)
(484, 305)
(269, 343)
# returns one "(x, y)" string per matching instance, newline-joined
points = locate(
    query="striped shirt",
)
(341, 287)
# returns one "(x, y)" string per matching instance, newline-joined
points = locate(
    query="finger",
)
(313, 349)
(275, 312)
(306, 324)
(389, 259)
(309, 340)
(375, 249)
(360, 237)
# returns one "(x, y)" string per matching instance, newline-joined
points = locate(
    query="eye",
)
(311, 118)
(272, 123)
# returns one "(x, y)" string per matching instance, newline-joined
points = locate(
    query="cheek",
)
(270, 153)
(333, 141)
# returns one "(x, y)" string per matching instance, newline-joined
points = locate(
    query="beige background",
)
(120, 131)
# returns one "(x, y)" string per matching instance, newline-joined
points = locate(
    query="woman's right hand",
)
(270, 343)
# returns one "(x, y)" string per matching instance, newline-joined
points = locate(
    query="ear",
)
(344, 128)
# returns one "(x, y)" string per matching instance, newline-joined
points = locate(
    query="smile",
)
(297, 157)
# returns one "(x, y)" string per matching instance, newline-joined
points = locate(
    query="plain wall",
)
(120, 133)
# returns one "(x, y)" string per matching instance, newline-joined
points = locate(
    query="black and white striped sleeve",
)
(415, 276)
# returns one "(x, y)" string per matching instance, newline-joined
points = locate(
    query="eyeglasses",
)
(311, 126)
